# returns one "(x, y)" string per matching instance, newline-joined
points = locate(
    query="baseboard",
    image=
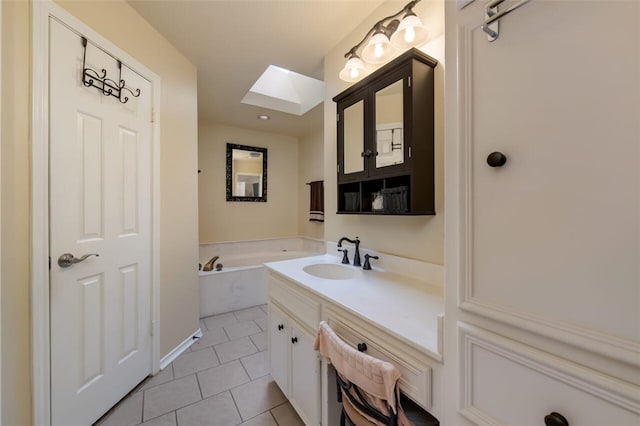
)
(178, 350)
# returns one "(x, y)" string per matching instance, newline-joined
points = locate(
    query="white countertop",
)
(405, 307)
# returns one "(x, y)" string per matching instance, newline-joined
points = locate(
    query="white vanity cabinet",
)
(384, 315)
(294, 364)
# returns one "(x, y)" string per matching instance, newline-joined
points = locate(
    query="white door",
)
(100, 202)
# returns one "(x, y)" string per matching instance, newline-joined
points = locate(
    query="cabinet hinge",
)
(338, 167)
(409, 152)
(409, 81)
(338, 118)
(49, 262)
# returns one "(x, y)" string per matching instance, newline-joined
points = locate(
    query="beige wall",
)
(417, 237)
(310, 162)
(236, 221)
(16, 315)
(119, 23)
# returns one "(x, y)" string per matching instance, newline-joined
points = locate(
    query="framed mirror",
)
(246, 173)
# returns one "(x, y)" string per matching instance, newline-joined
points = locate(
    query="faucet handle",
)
(345, 258)
(367, 265)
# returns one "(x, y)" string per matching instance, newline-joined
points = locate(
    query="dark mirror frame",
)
(230, 196)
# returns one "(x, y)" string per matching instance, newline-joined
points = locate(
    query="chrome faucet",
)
(356, 256)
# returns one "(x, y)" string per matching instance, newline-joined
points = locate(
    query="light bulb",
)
(409, 35)
(354, 73)
(378, 51)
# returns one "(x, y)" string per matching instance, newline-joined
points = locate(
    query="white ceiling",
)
(232, 42)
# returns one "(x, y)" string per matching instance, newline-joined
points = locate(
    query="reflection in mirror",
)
(246, 173)
(389, 125)
(354, 138)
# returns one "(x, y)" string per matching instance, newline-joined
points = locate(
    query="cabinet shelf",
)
(386, 140)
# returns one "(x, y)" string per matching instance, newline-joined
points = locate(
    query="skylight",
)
(283, 90)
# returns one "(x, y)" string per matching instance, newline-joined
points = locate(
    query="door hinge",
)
(153, 325)
(409, 81)
(153, 115)
(49, 262)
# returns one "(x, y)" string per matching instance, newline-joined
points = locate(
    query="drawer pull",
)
(294, 340)
(280, 327)
(362, 347)
(555, 419)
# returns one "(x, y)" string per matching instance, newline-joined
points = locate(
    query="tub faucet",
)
(209, 265)
(356, 256)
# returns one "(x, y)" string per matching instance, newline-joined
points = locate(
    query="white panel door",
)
(551, 240)
(305, 376)
(279, 348)
(100, 202)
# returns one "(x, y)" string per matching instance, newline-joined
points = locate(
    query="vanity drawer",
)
(289, 297)
(505, 382)
(415, 379)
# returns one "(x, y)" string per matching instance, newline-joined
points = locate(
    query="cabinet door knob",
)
(555, 419)
(280, 326)
(367, 153)
(362, 347)
(496, 159)
(294, 340)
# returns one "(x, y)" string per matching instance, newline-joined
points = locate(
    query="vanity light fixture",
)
(384, 38)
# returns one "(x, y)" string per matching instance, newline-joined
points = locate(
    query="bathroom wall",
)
(311, 166)
(417, 237)
(117, 21)
(237, 220)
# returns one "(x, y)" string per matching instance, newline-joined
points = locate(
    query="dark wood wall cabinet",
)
(385, 140)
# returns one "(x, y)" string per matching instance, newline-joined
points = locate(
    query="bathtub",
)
(242, 282)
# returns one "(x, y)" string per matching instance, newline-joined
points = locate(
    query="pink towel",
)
(376, 377)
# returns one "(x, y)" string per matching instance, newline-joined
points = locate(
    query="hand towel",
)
(316, 206)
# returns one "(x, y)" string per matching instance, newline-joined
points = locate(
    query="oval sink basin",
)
(330, 271)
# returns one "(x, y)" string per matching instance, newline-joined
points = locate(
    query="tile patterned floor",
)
(223, 380)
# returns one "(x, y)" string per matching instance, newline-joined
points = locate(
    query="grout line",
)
(199, 387)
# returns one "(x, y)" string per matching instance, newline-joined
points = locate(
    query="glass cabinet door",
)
(389, 126)
(353, 138)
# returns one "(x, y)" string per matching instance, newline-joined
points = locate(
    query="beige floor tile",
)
(260, 340)
(127, 413)
(220, 320)
(168, 419)
(209, 338)
(235, 349)
(257, 365)
(170, 396)
(257, 397)
(285, 415)
(241, 329)
(218, 410)
(163, 376)
(250, 313)
(222, 378)
(264, 419)
(192, 362)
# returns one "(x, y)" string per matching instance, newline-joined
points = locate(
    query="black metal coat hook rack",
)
(108, 87)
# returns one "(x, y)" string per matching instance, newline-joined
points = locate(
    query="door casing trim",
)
(39, 264)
